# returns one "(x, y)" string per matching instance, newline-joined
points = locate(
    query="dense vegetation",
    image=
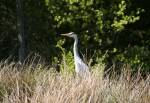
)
(113, 39)
(42, 85)
(115, 32)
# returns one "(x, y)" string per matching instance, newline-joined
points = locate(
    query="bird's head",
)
(71, 34)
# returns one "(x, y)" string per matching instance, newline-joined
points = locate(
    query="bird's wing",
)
(81, 66)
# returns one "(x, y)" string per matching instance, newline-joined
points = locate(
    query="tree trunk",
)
(22, 35)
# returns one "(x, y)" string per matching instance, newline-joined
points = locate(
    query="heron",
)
(80, 67)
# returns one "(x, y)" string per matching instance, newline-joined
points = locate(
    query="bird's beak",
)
(66, 34)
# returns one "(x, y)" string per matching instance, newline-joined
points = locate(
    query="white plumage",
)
(80, 67)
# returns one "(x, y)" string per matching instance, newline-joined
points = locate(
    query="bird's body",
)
(80, 67)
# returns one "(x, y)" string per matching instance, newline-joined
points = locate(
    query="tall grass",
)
(25, 84)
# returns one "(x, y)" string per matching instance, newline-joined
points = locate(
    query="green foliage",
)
(136, 57)
(122, 19)
(120, 27)
(67, 63)
(100, 65)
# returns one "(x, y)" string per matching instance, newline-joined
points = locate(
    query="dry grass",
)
(45, 86)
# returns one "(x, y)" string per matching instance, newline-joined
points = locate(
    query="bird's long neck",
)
(75, 48)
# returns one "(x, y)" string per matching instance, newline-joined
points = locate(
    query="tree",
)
(22, 34)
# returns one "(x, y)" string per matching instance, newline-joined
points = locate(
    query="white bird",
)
(80, 67)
